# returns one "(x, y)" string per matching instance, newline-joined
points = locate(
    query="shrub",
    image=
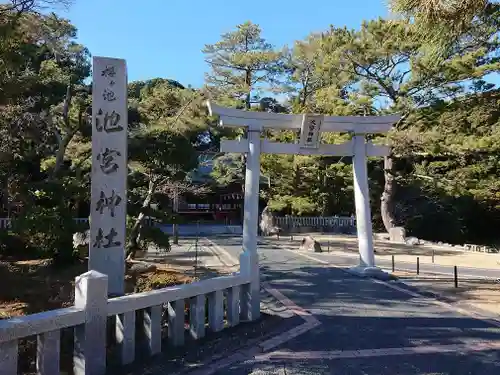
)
(46, 224)
(12, 245)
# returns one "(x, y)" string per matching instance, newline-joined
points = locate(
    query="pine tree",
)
(440, 12)
(440, 23)
(384, 61)
(243, 65)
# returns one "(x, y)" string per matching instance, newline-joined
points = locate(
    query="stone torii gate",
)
(309, 144)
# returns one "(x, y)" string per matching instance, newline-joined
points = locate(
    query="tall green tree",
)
(45, 103)
(441, 23)
(440, 13)
(453, 192)
(242, 66)
(304, 79)
(383, 61)
(42, 79)
(162, 151)
(244, 69)
(43, 74)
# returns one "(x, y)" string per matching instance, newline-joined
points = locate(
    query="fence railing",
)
(6, 222)
(281, 221)
(315, 221)
(140, 316)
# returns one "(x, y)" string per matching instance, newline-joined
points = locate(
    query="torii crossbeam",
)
(309, 144)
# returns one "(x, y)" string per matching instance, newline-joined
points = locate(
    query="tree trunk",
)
(175, 228)
(133, 244)
(61, 151)
(242, 208)
(63, 141)
(387, 199)
(243, 159)
(248, 97)
(325, 196)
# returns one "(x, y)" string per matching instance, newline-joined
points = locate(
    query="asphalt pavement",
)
(472, 272)
(337, 257)
(366, 326)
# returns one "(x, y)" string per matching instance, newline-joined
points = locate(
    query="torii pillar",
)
(310, 127)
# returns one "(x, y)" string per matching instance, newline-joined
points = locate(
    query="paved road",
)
(233, 246)
(412, 266)
(366, 327)
(352, 259)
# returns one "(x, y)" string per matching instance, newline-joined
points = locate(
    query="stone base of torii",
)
(310, 127)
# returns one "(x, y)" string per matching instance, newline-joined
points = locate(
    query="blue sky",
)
(164, 38)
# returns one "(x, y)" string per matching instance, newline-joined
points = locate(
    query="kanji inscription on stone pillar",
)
(109, 171)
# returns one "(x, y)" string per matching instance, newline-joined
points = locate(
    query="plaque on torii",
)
(310, 126)
(309, 144)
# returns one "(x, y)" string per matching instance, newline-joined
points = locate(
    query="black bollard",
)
(393, 264)
(418, 266)
(455, 271)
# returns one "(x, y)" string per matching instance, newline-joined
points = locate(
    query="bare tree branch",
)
(172, 188)
(67, 102)
(22, 6)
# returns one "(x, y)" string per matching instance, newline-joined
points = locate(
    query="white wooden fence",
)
(6, 222)
(314, 221)
(89, 317)
(281, 221)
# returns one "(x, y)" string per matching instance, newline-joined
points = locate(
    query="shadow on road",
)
(358, 314)
(355, 314)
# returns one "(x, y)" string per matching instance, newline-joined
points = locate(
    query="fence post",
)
(91, 294)
(9, 353)
(455, 271)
